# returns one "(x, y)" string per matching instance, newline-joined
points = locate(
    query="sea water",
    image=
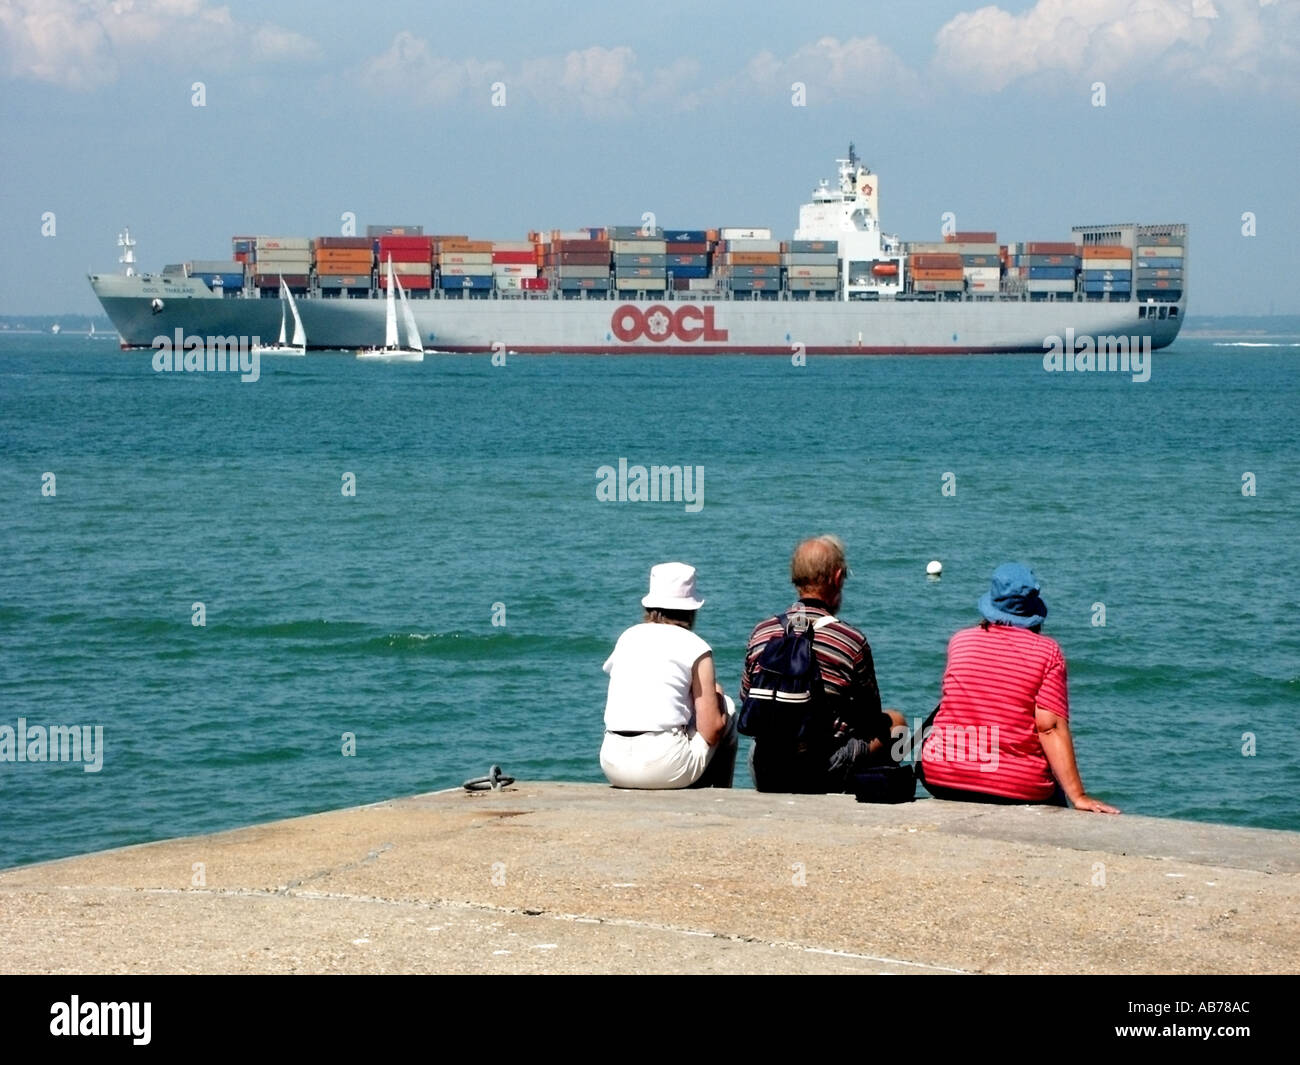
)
(349, 581)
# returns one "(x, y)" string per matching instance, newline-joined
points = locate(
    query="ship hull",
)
(637, 327)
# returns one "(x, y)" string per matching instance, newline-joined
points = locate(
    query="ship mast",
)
(127, 258)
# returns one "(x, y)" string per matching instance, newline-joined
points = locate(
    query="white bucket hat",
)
(672, 587)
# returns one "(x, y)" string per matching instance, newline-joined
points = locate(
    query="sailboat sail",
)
(284, 291)
(390, 320)
(299, 333)
(408, 318)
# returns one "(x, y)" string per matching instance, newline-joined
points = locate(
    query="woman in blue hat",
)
(1001, 732)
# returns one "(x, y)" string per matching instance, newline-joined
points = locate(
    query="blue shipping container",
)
(1107, 286)
(1161, 262)
(223, 281)
(685, 236)
(689, 271)
(1108, 275)
(454, 281)
(1051, 273)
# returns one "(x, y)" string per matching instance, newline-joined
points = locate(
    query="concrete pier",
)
(565, 878)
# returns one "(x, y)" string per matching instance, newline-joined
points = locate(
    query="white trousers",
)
(656, 760)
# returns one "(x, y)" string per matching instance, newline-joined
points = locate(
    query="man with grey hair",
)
(852, 731)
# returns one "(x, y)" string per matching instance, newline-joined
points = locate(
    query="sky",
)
(192, 121)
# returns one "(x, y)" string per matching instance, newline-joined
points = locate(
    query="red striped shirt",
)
(984, 737)
(847, 669)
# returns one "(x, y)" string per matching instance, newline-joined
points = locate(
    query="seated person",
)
(1001, 732)
(852, 732)
(667, 722)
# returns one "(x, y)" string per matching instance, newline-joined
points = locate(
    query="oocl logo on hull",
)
(660, 323)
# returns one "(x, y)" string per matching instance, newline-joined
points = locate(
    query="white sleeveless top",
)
(650, 678)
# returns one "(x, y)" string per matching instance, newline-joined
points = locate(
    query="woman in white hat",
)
(667, 722)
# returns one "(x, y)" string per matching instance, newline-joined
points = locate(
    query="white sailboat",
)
(392, 351)
(299, 345)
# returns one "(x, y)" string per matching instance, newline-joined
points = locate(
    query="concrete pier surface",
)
(569, 878)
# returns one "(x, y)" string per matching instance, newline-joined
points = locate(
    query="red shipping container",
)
(404, 255)
(408, 281)
(416, 243)
(981, 236)
(1050, 247)
(687, 249)
(532, 282)
(514, 257)
(360, 243)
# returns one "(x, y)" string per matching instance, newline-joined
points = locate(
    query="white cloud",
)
(855, 68)
(84, 44)
(1225, 43)
(409, 72)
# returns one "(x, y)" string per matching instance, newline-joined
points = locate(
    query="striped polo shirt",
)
(983, 737)
(847, 670)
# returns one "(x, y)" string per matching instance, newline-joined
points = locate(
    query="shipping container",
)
(580, 258)
(751, 246)
(511, 255)
(982, 273)
(1155, 251)
(473, 247)
(1168, 273)
(1107, 251)
(813, 247)
(466, 258)
(805, 272)
(533, 284)
(638, 247)
(273, 280)
(749, 258)
(333, 281)
(938, 286)
(1051, 273)
(981, 260)
(1042, 284)
(809, 259)
(514, 269)
(1162, 240)
(344, 243)
(581, 271)
(675, 261)
(639, 284)
(756, 271)
(1107, 275)
(657, 261)
(1071, 261)
(744, 233)
(1159, 262)
(923, 273)
(1049, 247)
(621, 233)
(411, 269)
(478, 282)
(681, 248)
(689, 271)
(1107, 264)
(1116, 287)
(754, 284)
(580, 284)
(982, 236)
(283, 244)
(920, 247)
(937, 261)
(641, 272)
(584, 246)
(222, 281)
(704, 284)
(470, 270)
(394, 231)
(686, 236)
(814, 284)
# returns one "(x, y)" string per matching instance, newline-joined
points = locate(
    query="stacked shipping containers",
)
(1161, 255)
(1049, 267)
(748, 264)
(936, 271)
(513, 263)
(412, 258)
(277, 257)
(1107, 271)
(640, 257)
(343, 264)
(464, 266)
(577, 261)
(687, 258)
(220, 276)
(811, 266)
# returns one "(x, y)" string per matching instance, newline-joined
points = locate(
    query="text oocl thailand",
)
(688, 323)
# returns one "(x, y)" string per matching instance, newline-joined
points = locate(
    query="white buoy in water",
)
(934, 568)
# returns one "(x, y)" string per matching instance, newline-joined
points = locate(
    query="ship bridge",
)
(850, 215)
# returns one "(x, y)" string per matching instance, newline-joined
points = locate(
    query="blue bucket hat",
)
(1012, 598)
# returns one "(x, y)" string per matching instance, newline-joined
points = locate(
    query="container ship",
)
(839, 285)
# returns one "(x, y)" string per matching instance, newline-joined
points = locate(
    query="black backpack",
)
(786, 695)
